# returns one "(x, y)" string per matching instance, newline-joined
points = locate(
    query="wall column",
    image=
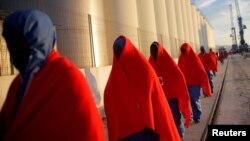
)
(147, 25)
(190, 23)
(120, 19)
(185, 20)
(195, 28)
(162, 24)
(172, 28)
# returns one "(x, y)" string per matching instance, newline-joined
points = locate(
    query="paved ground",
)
(235, 103)
(195, 131)
(235, 98)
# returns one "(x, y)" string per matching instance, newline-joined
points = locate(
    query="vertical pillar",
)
(195, 27)
(207, 35)
(5, 66)
(185, 20)
(199, 18)
(147, 25)
(100, 52)
(203, 31)
(190, 23)
(212, 38)
(162, 23)
(172, 27)
(120, 19)
(179, 20)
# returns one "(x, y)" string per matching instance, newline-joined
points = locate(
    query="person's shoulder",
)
(67, 66)
(64, 66)
(65, 63)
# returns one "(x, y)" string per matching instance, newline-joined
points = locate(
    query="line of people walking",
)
(144, 99)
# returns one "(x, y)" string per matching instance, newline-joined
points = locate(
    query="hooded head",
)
(202, 49)
(118, 46)
(185, 48)
(30, 38)
(154, 50)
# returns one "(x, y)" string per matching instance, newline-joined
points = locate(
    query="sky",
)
(218, 15)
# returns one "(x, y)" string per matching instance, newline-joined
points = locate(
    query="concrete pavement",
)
(195, 131)
(235, 100)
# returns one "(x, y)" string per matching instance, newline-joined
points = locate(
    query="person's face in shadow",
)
(202, 49)
(183, 51)
(154, 51)
(118, 50)
(18, 48)
(118, 47)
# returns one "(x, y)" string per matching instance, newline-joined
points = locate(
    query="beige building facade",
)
(86, 30)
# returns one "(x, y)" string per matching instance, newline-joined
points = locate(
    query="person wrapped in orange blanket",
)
(49, 100)
(196, 78)
(173, 84)
(135, 106)
(210, 66)
(215, 60)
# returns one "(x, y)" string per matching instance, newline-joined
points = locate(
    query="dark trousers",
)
(211, 79)
(173, 104)
(194, 94)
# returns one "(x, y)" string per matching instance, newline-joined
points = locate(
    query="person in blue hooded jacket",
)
(49, 100)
